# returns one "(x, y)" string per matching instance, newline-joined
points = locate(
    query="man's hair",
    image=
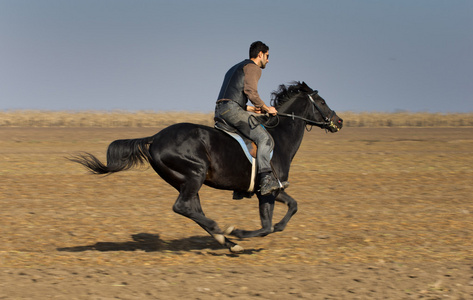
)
(256, 47)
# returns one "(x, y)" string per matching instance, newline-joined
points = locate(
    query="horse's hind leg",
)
(188, 205)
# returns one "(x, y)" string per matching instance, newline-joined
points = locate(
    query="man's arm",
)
(252, 76)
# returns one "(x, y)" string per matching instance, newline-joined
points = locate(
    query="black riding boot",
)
(268, 184)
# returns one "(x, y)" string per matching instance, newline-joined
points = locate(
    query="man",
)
(240, 85)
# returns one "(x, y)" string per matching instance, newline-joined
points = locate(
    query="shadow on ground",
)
(152, 242)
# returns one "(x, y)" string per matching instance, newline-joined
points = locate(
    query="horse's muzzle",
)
(335, 124)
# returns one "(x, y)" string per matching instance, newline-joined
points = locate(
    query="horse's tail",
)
(121, 155)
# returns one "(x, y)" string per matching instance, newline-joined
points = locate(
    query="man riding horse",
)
(188, 155)
(240, 85)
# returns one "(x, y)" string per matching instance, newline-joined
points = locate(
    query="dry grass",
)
(407, 119)
(33, 118)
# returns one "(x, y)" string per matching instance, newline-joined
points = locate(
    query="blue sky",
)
(362, 55)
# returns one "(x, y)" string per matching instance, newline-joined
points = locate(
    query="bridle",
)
(328, 120)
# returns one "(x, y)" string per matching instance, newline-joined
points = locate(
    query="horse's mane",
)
(287, 92)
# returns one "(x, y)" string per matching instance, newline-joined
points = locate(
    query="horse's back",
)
(183, 145)
(181, 132)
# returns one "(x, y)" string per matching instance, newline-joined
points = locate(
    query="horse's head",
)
(299, 101)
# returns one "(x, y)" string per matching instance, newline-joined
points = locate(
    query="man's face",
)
(264, 59)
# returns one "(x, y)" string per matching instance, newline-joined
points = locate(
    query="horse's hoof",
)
(237, 249)
(220, 238)
(229, 230)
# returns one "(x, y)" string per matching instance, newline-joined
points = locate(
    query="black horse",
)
(189, 155)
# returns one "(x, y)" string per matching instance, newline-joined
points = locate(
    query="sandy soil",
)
(383, 214)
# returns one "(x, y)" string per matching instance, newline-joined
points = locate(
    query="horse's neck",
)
(288, 135)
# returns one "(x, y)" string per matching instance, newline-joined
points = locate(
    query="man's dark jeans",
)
(237, 117)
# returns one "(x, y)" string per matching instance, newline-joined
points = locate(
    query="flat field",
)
(384, 213)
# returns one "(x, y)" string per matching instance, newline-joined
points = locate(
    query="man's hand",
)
(271, 110)
(253, 109)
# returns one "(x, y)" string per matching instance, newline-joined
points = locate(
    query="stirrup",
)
(284, 185)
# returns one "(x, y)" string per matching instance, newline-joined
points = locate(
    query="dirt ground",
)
(384, 213)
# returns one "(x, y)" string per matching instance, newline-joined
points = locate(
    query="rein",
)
(327, 123)
(309, 122)
(254, 121)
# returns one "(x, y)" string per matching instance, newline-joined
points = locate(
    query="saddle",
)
(249, 148)
(247, 145)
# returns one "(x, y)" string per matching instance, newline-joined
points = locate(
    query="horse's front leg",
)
(266, 208)
(291, 210)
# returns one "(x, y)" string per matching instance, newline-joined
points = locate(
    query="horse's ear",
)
(305, 87)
